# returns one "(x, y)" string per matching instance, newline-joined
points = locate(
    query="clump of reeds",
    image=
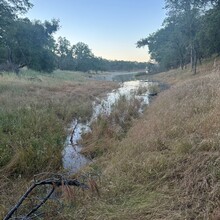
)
(109, 128)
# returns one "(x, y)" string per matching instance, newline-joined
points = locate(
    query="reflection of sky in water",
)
(127, 89)
(72, 159)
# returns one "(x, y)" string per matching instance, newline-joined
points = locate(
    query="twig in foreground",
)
(54, 183)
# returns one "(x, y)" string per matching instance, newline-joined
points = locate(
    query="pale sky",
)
(111, 28)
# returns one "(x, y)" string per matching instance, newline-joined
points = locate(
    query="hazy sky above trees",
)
(111, 28)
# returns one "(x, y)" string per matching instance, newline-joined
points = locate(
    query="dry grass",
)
(174, 76)
(108, 129)
(35, 111)
(167, 166)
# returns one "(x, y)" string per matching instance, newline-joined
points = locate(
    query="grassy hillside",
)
(168, 165)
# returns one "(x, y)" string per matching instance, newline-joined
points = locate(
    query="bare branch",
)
(54, 182)
(71, 138)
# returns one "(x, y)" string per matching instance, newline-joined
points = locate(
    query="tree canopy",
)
(190, 33)
(32, 44)
(24, 42)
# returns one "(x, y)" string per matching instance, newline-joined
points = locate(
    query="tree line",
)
(32, 44)
(190, 33)
(79, 57)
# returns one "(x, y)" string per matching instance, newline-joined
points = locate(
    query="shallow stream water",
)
(73, 160)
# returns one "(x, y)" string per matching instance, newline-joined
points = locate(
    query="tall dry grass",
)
(108, 129)
(167, 166)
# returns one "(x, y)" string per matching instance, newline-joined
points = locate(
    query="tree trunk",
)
(192, 57)
(9, 55)
(195, 62)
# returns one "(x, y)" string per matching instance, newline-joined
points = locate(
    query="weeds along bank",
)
(35, 111)
(167, 166)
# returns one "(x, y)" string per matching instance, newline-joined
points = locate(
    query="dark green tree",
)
(9, 10)
(25, 43)
(189, 10)
(64, 53)
(83, 56)
(209, 36)
(167, 46)
(190, 32)
(31, 44)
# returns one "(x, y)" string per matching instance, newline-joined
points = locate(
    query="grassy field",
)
(35, 110)
(165, 165)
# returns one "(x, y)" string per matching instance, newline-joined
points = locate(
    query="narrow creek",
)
(73, 160)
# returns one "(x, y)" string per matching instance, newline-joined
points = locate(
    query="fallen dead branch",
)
(72, 134)
(53, 182)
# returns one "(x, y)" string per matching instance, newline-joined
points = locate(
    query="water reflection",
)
(72, 159)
